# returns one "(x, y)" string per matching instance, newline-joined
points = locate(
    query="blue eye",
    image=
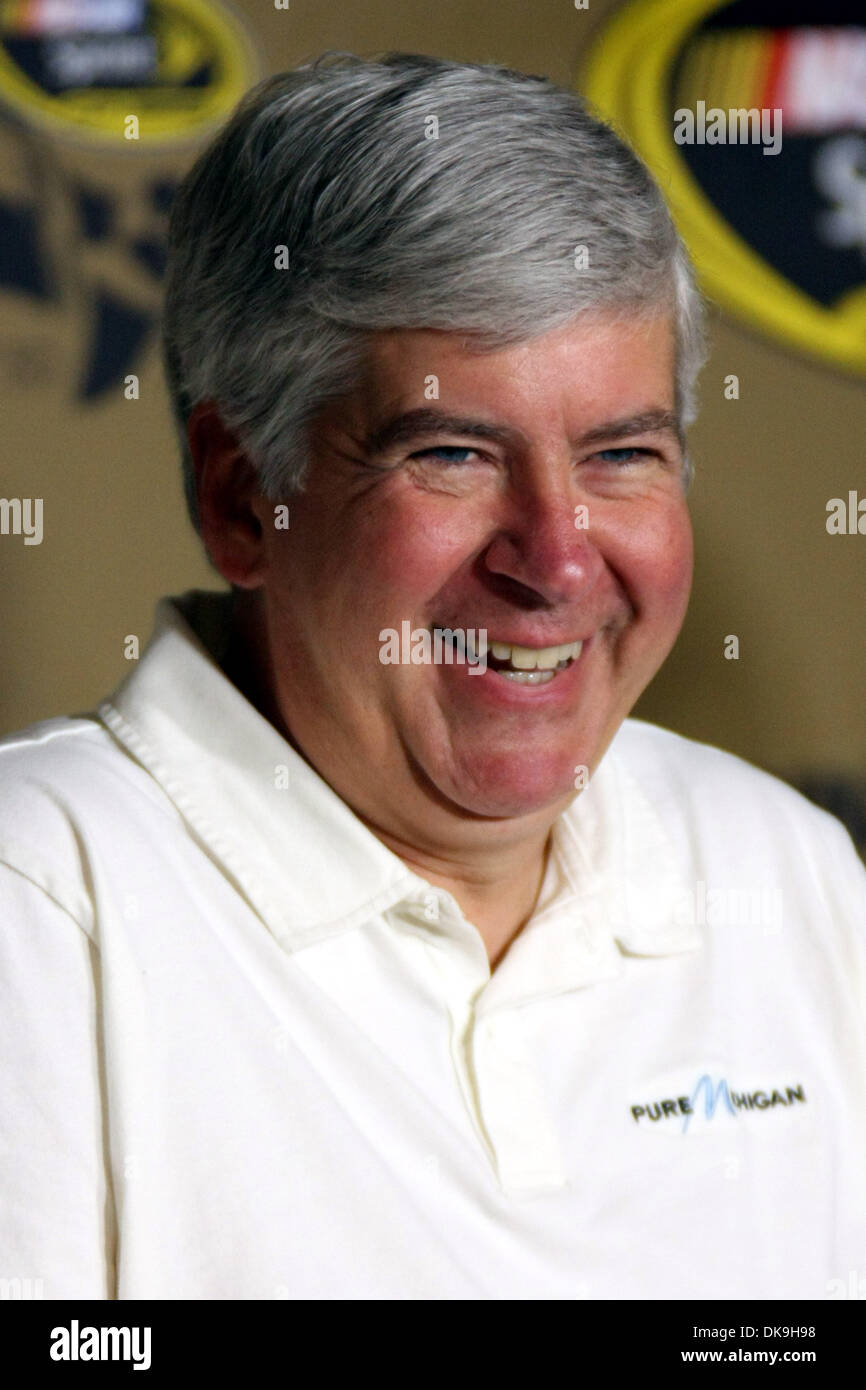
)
(605, 455)
(445, 449)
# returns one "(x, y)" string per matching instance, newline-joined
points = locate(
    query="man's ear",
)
(227, 494)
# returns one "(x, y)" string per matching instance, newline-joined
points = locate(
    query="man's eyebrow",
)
(412, 424)
(402, 429)
(653, 421)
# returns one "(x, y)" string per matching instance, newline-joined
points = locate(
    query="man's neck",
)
(498, 896)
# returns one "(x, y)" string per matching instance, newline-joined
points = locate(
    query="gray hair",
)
(388, 221)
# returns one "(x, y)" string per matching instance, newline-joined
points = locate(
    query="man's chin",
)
(507, 789)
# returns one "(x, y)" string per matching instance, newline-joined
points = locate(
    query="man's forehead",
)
(396, 347)
(626, 386)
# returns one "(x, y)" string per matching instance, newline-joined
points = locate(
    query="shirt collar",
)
(307, 864)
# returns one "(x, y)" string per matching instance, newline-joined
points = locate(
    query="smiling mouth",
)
(527, 665)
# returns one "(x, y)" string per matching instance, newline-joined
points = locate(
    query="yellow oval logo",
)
(123, 72)
(754, 125)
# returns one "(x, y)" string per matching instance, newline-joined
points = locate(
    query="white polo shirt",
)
(248, 1054)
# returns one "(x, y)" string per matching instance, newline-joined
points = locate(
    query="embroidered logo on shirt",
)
(711, 1096)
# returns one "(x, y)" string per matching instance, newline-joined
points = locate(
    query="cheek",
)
(676, 559)
(658, 566)
(411, 550)
(347, 560)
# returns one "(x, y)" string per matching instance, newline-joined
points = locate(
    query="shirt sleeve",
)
(56, 1212)
(844, 886)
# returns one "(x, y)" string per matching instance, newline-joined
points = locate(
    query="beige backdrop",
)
(115, 532)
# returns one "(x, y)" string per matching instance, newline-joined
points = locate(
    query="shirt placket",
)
(497, 1079)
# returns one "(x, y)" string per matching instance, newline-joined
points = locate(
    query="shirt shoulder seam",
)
(47, 884)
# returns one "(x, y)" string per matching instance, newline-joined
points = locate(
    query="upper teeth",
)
(534, 658)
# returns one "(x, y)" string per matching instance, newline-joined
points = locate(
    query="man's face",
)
(473, 525)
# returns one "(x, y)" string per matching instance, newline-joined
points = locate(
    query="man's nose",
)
(545, 543)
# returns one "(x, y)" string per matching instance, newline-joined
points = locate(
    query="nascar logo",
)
(702, 90)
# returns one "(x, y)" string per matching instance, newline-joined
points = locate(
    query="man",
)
(334, 973)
